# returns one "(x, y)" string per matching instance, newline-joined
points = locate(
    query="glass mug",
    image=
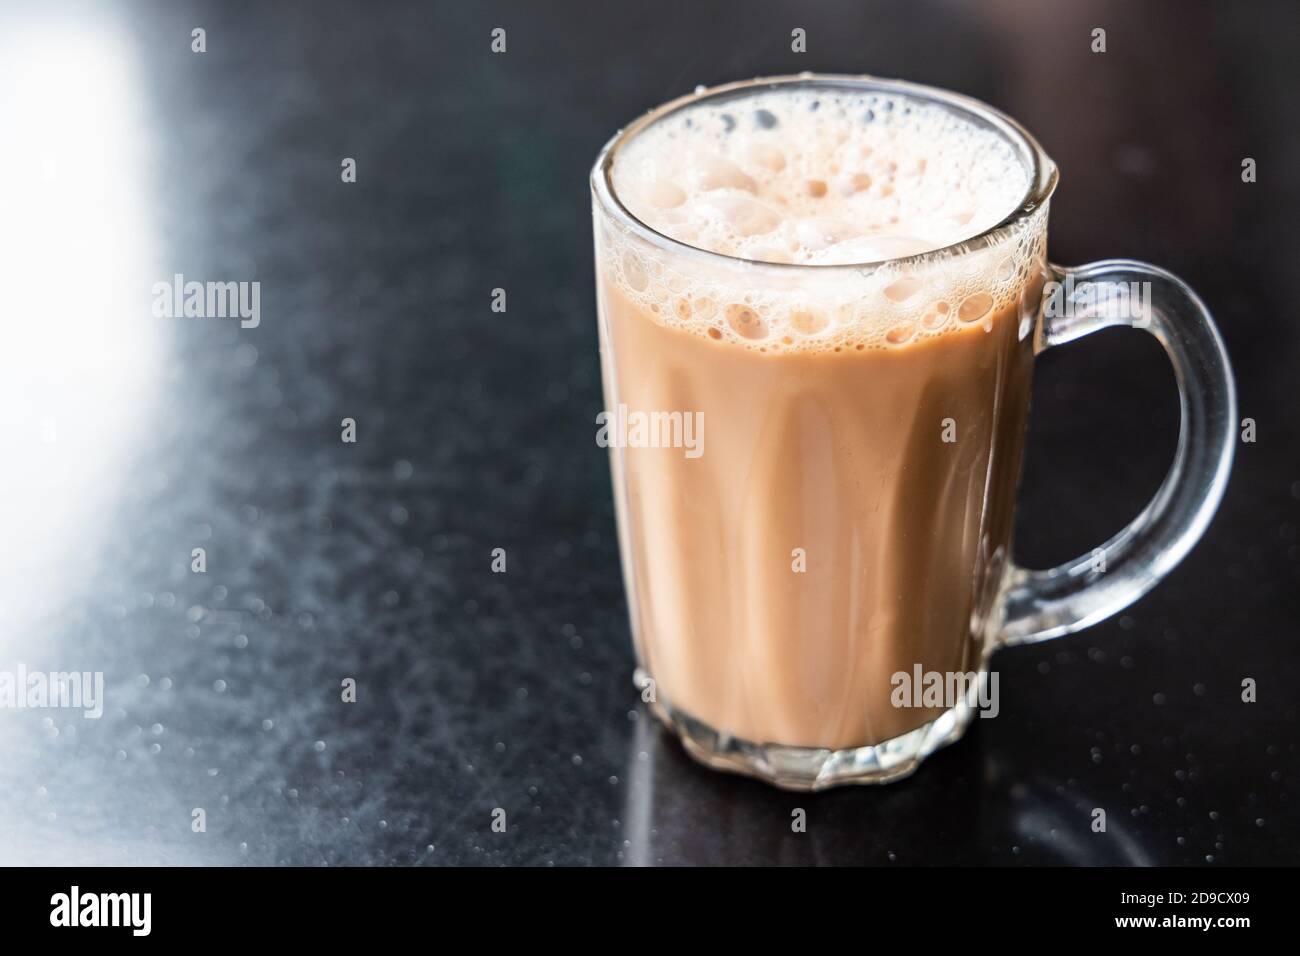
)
(816, 589)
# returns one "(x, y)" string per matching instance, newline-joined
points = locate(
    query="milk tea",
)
(847, 515)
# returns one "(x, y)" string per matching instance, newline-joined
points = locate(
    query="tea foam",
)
(821, 177)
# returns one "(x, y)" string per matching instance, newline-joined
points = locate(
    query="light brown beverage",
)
(846, 514)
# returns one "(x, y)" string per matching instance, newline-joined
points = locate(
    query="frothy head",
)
(819, 176)
(879, 182)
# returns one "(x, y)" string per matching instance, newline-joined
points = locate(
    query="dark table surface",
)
(132, 440)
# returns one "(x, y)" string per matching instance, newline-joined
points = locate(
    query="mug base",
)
(809, 769)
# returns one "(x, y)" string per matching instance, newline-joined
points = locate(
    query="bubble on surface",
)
(974, 307)
(746, 322)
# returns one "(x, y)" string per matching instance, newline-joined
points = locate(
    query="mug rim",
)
(1043, 174)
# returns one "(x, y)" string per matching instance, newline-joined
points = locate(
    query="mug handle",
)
(1046, 604)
